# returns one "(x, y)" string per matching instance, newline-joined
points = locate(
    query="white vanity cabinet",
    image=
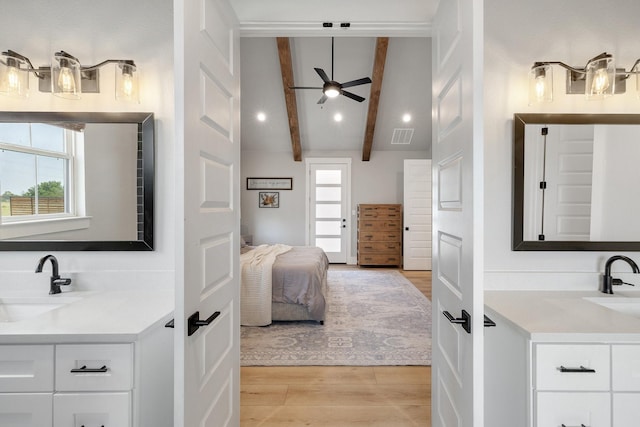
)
(551, 382)
(114, 384)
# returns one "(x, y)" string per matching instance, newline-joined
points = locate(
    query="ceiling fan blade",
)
(323, 99)
(304, 87)
(361, 81)
(322, 74)
(352, 96)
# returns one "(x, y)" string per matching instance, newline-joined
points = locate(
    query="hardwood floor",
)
(339, 396)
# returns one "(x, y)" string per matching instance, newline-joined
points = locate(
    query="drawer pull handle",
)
(85, 370)
(194, 322)
(581, 369)
(581, 425)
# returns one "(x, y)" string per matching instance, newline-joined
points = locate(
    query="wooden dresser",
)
(379, 234)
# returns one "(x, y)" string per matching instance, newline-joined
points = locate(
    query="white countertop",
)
(98, 316)
(563, 315)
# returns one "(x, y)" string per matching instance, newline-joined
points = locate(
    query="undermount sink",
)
(624, 305)
(17, 308)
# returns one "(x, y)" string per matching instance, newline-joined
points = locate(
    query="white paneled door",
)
(458, 316)
(207, 151)
(416, 241)
(329, 224)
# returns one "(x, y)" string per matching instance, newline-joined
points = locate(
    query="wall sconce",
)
(597, 80)
(65, 77)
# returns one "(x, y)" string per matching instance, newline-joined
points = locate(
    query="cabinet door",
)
(92, 410)
(626, 409)
(625, 370)
(25, 409)
(573, 409)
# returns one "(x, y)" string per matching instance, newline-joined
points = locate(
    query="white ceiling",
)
(407, 80)
(406, 88)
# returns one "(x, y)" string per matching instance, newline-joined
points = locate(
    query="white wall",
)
(141, 30)
(518, 33)
(379, 180)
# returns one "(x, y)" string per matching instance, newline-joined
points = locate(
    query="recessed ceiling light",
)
(406, 118)
(337, 117)
(261, 116)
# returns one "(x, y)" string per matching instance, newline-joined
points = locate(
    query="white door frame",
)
(330, 161)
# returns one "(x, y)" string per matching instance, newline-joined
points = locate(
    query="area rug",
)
(374, 317)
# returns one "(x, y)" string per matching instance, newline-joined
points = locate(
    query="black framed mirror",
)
(575, 182)
(77, 181)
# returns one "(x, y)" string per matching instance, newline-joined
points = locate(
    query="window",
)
(37, 172)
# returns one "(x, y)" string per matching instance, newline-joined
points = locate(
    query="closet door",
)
(416, 247)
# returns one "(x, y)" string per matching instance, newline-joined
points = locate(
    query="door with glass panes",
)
(329, 224)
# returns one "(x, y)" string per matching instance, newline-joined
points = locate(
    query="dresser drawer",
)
(366, 259)
(92, 409)
(377, 247)
(94, 367)
(572, 367)
(380, 213)
(26, 409)
(379, 225)
(625, 367)
(573, 409)
(25, 368)
(380, 236)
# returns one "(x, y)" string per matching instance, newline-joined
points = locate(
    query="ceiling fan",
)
(331, 88)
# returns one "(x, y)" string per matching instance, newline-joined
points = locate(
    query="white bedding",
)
(256, 283)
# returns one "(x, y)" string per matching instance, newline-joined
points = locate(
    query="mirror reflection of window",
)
(37, 171)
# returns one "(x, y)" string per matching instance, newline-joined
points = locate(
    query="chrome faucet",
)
(608, 281)
(56, 280)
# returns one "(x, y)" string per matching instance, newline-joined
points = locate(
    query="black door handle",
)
(194, 322)
(465, 320)
(488, 322)
(406, 228)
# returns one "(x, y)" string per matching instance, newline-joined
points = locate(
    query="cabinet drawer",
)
(85, 360)
(26, 368)
(381, 213)
(92, 409)
(573, 409)
(366, 259)
(371, 247)
(379, 236)
(26, 409)
(375, 225)
(626, 367)
(579, 360)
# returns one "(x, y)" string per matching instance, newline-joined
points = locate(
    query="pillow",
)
(242, 242)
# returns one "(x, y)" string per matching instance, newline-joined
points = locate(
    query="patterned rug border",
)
(391, 328)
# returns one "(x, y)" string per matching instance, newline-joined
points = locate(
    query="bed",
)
(282, 283)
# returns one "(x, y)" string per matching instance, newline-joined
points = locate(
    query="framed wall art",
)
(269, 183)
(269, 199)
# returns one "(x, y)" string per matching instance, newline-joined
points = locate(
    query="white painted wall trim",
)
(314, 29)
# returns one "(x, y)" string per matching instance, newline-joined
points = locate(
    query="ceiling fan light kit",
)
(331, 88)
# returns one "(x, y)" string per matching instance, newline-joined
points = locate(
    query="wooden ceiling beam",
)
(286, 69)
(374, 98)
